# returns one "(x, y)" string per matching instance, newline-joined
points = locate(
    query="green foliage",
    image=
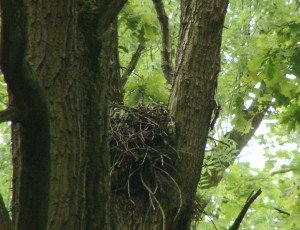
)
(5, 153)
(260, 45)
(144, 90)
(140, 26)
(278, 193)
(5, 164)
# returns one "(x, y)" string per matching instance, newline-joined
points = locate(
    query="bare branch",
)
(244, 210)
(166, 47)
(134, 60)
(280, 171)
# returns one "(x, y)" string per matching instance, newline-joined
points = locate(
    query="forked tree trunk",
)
(56, 61)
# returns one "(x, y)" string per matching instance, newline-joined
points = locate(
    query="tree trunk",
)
(55, 58)
(192, 98)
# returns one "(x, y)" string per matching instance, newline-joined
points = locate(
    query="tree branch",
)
(215, 140)
(282, 211)
(109, 10)
(134, 60)
(244, 210)
(7, 115)
(166, 47)
(281, 171)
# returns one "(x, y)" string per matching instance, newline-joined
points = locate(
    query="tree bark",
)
(56, 61)
(32, 140)
(192, 99)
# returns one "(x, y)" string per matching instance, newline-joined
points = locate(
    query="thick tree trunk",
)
(56, 62)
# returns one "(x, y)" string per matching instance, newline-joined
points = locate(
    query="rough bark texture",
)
(192, 98)
(33, 138)
(58, 72)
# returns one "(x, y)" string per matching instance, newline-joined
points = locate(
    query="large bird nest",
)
(142, 154)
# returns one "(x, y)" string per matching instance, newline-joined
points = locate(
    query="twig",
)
(282, 211)
(216, 140)
(244, 210)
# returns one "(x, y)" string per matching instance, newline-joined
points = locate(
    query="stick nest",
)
(142, 154)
